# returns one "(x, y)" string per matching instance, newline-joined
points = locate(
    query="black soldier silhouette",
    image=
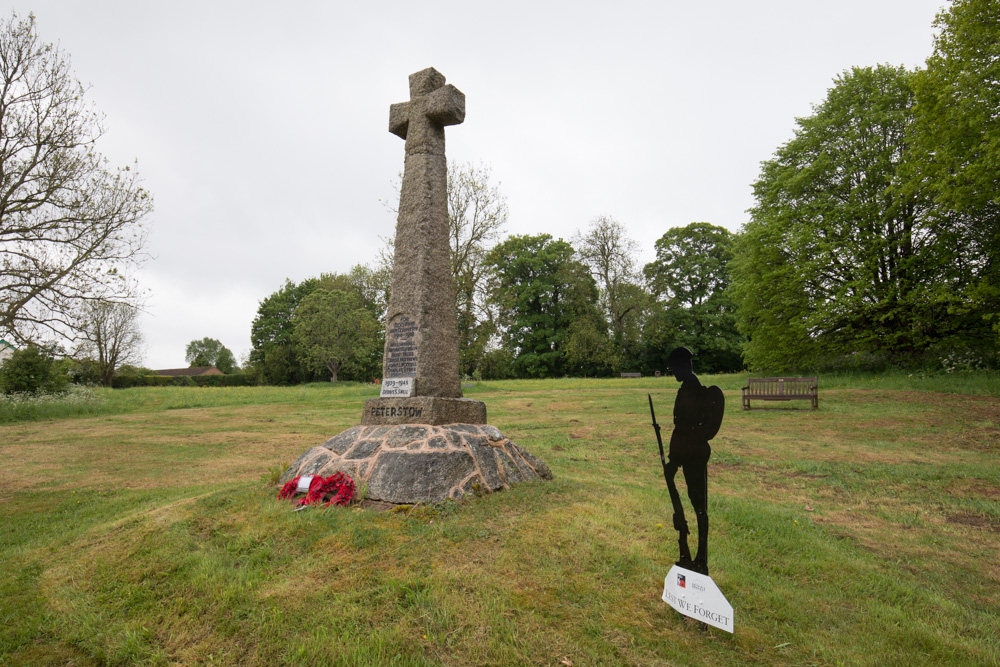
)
(698, 414)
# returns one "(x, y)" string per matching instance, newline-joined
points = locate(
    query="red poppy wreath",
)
(337, 489)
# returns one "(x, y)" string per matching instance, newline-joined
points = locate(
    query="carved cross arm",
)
(445, 106)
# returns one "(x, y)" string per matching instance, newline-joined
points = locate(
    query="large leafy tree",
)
(273, 357)
(841, 255)
(958, 141)
(70, 226)
(277, 356)
(335, 332)
(372, 285)
(958, 95)
(540, 291)
(210, 352)
(690, 279)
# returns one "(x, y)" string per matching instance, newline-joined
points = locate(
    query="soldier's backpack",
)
(712, 404)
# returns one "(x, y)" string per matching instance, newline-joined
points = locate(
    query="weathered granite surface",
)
(412, 463)
(421, 325)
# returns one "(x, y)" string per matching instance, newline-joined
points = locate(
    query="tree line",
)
(875, 235)
(873, 243)
(527, 305)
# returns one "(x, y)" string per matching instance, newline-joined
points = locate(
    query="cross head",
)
(432, 106)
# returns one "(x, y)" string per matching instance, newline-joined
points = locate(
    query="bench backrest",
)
(782, 386)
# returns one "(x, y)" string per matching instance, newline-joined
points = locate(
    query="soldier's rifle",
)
(659, 439)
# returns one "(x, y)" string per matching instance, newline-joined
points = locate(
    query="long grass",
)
(91, 401)
(862, 533)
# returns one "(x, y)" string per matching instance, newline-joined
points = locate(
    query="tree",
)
(588, 350)
(957, 96)
(111, 335)
(277, 358)
(373, 286)
(690, 278)
(841, 255)
(70, 226)
(958, 139)
(477, 213)
(539, 291)
(210, 352)
(610, 255)
(273, 356)
(226, 361)
(335, 332)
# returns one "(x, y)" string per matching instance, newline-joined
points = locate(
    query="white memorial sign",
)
(697, 596)
(397, 388)
(304, 482)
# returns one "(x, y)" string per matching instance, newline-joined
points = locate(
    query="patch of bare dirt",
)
(805, 475)
(975, 520)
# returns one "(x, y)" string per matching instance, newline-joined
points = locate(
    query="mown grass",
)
(862, 533)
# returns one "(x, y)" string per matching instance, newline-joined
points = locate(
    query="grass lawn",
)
(140, 527)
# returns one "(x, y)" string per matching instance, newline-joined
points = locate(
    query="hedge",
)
(235, 380)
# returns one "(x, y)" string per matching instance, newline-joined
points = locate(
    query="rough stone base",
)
(423, 410)
(413, 463)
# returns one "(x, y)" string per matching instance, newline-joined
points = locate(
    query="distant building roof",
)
(188, 372)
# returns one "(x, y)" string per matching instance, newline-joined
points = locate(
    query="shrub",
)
(128, 381)
(234, 380)
(31, 370)
(128, 370)
(496, 364)
(83, 371)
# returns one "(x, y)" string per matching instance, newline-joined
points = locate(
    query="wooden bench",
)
(781, 389)
(631, 375)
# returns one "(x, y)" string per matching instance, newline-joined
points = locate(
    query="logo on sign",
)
(681, 581)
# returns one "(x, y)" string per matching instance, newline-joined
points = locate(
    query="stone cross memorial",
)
(421, 384)
(420, 440)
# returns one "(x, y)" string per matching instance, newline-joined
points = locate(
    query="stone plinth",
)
(423, 410)
(413, 463)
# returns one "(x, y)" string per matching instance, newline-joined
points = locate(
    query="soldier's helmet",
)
(680, 358)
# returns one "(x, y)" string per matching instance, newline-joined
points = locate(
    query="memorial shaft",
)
(421, 324)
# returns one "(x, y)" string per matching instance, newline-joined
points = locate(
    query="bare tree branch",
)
(70, 226)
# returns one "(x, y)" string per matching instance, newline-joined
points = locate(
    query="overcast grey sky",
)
(261, 128)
